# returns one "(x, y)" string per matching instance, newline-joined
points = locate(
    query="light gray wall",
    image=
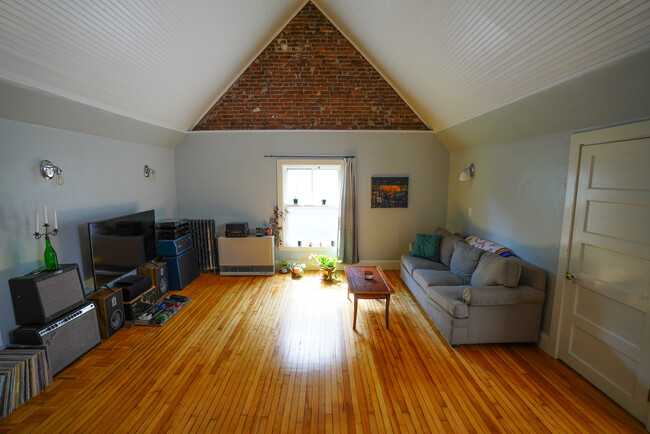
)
(517, 199)
(103, 178)
(223, 175)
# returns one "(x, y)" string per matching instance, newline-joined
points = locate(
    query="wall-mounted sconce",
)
(49, 171)
(149, 172)
(467, 173)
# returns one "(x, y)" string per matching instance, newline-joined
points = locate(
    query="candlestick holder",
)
(51, 260)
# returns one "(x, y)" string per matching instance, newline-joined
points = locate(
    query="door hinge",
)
(648, 395)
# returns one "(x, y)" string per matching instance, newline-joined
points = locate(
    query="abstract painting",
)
(389, 192)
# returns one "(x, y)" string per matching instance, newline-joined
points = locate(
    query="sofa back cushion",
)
(446, 245)
(464, 260)
(493, 270)
(532, 275)
(427, 247)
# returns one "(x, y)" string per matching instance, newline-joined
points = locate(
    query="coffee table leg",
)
(354, 324)
(387, 307)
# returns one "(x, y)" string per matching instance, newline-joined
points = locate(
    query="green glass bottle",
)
(51, 262)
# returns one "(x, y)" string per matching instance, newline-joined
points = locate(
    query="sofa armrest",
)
(500, 295)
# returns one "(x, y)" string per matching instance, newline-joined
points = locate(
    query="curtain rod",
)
(308, 156)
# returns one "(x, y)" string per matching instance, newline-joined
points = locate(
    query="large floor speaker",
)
(183, 269)
(41, 296)
(110, 310)
(159, 277)
(66, 339)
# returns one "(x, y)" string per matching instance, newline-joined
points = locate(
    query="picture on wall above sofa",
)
(389, 192)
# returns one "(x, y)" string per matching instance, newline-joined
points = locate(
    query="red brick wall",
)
(310, 77)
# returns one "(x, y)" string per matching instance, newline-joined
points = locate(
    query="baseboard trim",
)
(384, 264)
(544, 343)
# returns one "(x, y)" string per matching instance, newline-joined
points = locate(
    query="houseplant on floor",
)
(326, 265)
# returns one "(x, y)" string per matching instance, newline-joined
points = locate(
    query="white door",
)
(605, 331)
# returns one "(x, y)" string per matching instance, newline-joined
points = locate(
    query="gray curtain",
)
(348, 249)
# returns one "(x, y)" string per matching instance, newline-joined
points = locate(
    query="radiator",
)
(246, 256)
(204, 239)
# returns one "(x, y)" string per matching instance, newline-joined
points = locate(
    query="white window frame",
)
(281, 173)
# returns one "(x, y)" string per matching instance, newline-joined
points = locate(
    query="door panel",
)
(605, 332)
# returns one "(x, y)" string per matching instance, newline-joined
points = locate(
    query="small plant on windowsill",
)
(326, 265)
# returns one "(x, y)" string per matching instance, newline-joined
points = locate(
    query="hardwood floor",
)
(272, 354)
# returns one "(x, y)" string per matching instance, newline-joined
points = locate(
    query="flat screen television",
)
(119, 245)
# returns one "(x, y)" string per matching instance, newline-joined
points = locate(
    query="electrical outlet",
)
(469, 211)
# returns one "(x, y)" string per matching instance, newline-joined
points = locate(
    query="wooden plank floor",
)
(272, 354)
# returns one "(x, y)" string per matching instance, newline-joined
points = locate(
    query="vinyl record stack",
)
(24, 373)
(175, 247)
(52, 309)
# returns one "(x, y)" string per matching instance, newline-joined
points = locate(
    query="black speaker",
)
(41, 296)
(133, 286)
(159, 276)
(110, 310)
(66, 339)
(183, 269)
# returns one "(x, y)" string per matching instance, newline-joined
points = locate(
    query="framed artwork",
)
(389, 192)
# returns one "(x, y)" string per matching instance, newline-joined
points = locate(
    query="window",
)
(309, 192)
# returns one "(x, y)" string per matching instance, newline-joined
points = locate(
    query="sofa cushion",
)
(532, 275)
(493, 269)
(446, 245)
(464, 260)
(411, 263)
(426, 278)
(450, 298)
(500, 295)
(427, 246)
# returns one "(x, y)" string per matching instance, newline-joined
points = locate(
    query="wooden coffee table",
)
(362, 288)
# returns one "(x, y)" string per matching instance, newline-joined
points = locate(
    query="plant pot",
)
(284, 270)
(326, 273)
(295, 201)
(296, 273)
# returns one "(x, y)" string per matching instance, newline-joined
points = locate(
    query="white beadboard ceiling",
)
(166, 62)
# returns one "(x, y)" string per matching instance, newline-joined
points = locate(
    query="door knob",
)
(569, 276)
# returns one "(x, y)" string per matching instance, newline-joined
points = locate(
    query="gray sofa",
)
(474, 296)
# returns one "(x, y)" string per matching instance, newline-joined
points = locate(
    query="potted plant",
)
(284, 266)
(326, 265)
(297, 270)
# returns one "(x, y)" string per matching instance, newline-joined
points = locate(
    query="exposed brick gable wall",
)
(310, 77)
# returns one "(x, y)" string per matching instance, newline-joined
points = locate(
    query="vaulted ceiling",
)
(167, 62)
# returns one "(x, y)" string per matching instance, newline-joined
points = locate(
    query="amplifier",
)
(172, 223)
(174, 247)
(235, 230)
(41, 296)
(132, 286)
(139, 304)
(66, 339)
(110, 310)
(183, 269)
(172, 234)
(159, 276)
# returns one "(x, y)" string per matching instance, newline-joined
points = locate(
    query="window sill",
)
(307, 249)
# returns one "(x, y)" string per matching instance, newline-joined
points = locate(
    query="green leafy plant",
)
(276, 229)
(326, 265)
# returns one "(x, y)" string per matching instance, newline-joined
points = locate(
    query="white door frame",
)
(622, 132)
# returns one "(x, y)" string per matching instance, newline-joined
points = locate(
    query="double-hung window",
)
(310, 193)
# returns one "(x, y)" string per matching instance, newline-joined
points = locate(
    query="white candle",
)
(37, 225)
(56, 224)
(44, 214)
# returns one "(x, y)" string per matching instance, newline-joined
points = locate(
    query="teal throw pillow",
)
(427, 246)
